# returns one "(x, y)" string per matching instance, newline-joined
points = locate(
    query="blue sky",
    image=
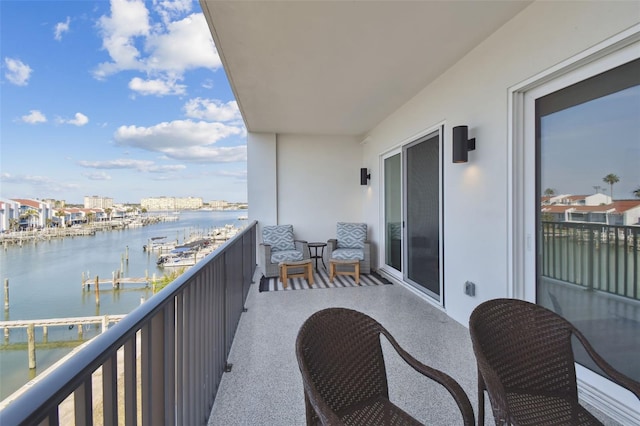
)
(122, 99)
(583, 144)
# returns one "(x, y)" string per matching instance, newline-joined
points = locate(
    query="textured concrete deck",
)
(265, 388)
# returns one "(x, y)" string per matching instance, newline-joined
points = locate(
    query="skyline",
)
(120, 99)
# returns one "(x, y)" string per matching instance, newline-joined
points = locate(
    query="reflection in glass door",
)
(422, 214)
(588, 139)
(393, 211)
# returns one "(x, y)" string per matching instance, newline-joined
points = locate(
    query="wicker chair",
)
(340, 357)
(526, 364)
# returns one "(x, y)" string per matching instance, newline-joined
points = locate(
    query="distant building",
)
(171, 203)
(218, 204)
(95, 202)
(56, 204)
(622, 213)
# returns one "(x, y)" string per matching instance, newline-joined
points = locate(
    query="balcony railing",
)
(162, 364)
(595, 256)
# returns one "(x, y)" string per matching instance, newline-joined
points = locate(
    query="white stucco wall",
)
(474, 93)
(318, 183)
(262, 179)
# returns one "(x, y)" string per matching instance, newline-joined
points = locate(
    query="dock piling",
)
(6, 294)
(31, 346)
(97, 290)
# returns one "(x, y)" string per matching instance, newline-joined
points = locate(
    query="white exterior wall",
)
(474, 92)
(10, 210)
(262, 183)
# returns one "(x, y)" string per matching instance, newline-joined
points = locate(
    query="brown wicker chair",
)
(340, 357)
(526, 365)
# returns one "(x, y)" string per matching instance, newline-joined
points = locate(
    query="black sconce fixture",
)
(462, 144)
(364, 176)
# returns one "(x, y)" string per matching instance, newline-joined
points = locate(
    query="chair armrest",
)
(444, 379)
(303, 246)
(332, 244)
(265, 254)
(619, 378)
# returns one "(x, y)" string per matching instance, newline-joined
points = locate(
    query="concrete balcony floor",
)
(265, 388)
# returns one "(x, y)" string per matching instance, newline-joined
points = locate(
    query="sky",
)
(583, 144)
(124, 99)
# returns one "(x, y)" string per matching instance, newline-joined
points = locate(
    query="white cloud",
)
(34, 117)
(212, 109)
(156, 87)
(17, 72)
(184, 140)
(40, 184)
(97, 176)
(170, 8)
(125, 163)
(163, 51)
(186, 44)
(61, 28)
(128, 20)
(78, 120)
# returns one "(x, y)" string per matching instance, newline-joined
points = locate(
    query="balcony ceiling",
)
(340, 67)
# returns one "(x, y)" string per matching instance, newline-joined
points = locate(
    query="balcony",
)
(165, 363)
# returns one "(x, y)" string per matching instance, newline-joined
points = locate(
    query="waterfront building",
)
(171, 203)
(218, 204)
(34, 213)
(9, 214)
(621, 212)
(94, 201)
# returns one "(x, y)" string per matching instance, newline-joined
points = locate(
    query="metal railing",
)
(160, 365)
(595, 256)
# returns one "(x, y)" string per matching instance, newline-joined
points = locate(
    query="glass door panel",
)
(393, 211)
(588, 193)
(422, 217)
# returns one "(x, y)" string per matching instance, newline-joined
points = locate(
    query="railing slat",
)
(110, 390)
(82, 403)
(130, 383)
(169, 372)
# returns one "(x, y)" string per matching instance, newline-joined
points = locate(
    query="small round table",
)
(315, 255)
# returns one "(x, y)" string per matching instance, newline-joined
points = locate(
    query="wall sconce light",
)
(364, 176)
(462, 144)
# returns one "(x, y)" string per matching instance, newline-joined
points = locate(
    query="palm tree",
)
(60, 214)
(636, 192)
(29, 215)
(14, 224)
(611, 179)
(108, 211)
(549, 192)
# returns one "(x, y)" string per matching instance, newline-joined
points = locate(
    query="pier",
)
(45, 324)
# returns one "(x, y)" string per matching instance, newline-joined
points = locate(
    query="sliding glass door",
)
(412, 214)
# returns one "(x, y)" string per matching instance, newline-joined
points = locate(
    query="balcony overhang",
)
(340, 67)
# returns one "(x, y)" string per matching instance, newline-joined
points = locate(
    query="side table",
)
(315, 256)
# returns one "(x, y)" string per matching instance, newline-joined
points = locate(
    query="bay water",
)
(45, 281)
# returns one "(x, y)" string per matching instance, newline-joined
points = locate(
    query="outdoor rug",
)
(321, 280)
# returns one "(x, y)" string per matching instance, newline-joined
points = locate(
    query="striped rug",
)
(321, 280)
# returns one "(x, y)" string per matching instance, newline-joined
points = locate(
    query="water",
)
(45, 282)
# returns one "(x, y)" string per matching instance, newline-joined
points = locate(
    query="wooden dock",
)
(103, 320)
(77, 322)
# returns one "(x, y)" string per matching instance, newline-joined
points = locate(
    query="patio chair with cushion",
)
(278, 245)
(340, 356)
(351, 244)
(526, 364)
